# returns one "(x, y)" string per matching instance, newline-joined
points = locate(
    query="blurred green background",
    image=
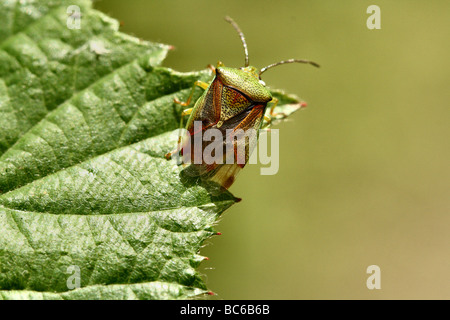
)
(364, 170)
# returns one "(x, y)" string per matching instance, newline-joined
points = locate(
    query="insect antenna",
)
(288, 61)
(241, 35)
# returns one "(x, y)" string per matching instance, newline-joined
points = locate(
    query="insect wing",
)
(238, 138)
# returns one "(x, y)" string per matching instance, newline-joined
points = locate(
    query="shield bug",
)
(232, 110)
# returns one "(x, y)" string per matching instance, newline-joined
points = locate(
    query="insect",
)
(234, 101)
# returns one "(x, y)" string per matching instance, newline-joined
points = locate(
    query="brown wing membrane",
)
(249, 126)
(208, 109)
(238, 138)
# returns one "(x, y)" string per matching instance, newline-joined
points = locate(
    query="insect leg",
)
(212, 68)
(266, 123)
(197, 83)
(185, 112)
(272, 108)
(268, 119)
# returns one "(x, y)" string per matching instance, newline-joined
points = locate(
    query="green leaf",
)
(86, 117)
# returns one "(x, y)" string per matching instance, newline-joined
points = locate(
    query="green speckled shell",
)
(245, 82)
